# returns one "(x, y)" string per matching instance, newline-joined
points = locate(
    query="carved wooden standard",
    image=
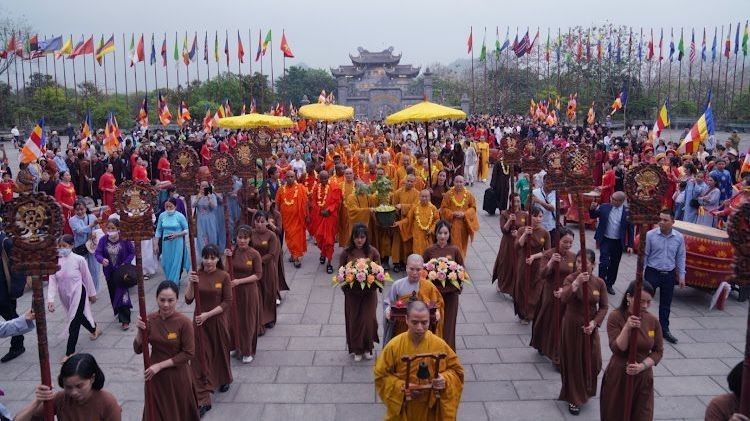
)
(33, 223)
(578, 164)
(739, 236)
(645, 185)
(185, 164)
(134, 202)
(511, 149)
(223, 168)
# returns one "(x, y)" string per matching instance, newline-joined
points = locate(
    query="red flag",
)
(285, 46)
(83, 49)
(471, 40)
(240, 49)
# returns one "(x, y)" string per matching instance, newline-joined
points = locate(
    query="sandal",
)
(297, 264)
(322, 260)
(97, 333)
(574, 409)
(329, 269)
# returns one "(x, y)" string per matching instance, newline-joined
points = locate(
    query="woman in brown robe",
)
(531, 240)
(248, 270)
(275, 225)
(267, 243)
(360, 305)
(172, 343)
(82, 397)
(214, 342)
(557, 263)
(444, 248)
(505, 262)
(650, 349)
(439, 188)
(724, 407)
(577, 385)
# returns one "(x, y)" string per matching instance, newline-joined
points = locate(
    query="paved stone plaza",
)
(302, 369)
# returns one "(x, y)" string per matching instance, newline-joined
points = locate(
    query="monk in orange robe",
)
(419, 223)
(359, 208)
(459, 207)
(291, 200)
(324, 217)
(388, 168)
(347, 188)
(403, 199)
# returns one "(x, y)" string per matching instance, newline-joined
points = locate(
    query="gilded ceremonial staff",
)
(222, 168)
(134, 202)
(555, 177)
(739, 236)
(511, 150)
(33, 223)
(578, 164)
(185, 164)
(645, 185)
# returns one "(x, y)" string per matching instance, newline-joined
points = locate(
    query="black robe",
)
(500, 184)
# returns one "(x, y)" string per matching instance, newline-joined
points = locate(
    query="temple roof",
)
(366, 57)
(347, 71)
(406, 70)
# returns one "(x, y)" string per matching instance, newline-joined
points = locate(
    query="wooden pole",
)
(230, 270)
(149, 404)
(125, 70)
(636, 309)
(40, 317)
(584, 286)
(194, 264)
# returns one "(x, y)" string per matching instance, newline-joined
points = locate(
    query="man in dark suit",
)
(613, 234)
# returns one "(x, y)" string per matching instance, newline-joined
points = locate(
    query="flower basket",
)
(359, 275)
(446, 274)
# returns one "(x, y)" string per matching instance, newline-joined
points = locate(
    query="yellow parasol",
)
(326, 112)
(424, 112)
(255, 121)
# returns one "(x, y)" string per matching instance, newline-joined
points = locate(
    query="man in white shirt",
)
(16, 136)
(545, 197)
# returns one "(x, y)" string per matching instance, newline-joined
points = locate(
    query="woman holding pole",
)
(531, 241)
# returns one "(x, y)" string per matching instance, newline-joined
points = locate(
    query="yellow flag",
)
(67, 48)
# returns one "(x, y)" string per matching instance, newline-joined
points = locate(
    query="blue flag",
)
(153, 51)
(713, 47)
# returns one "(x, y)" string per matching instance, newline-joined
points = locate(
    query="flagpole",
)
(557, 57)
(65, 77)
(734, 79)
(700, 81)
(718, 76)
(164, 59)
(135, 69)
(473, 90)
(114, 67)
(125, 68)
(239, 61)
(85, 71)
(262, 91)
(208, 60)
(679, 70)
(250, 59)
(658, 78)
(742, 74)
(177, 63)
(75, 84)
(156, 77)
(197, 69)
(93, 64)
(15, 73)
(187, 65)
(271, 43)
(104, 65)
(690, 75)
(54, 65)
(726, 79)
(484, 71)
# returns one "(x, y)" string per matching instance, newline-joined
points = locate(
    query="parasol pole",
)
(739, 233)
(645, 201)
(429, 159)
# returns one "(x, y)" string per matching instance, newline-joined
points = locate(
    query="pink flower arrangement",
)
(364, 272)
(441, 270)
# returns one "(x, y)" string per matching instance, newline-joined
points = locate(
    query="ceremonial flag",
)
(32, 45)
(54, 44)
(220, 113)
(703, 46)
(515, 41)
(680, 48)
(700, 131)
(192, 54)
(661, 39)
(630, 44)
(285, 46)
(164, 51)
(640, 46)
(227, 109)
(226, 48)
(176, 53)
(34, 144)
(266, 42)
(591, 119)
(532, 108)
(558, 47)
(727, 43)
(572, 105)
(506, 44)
(152, 59)
(483, 51)
(671, 44)
(259, 53)
(546, 48)
(137, 54)
(745, 36)
(207, 121)
(662, 120)
(184, 113)
(522, 47)
(599, 48)
(621, 101)
(105, 48)
(692, 47)
(83, 48)
(471, 40)
(746, 164)
(609, 45)
(143, 113)
(67, 48)
(737, 40)
(650, 53)
(619, 48)
(111, 134)
(12, 46)
(588, 45)
(205, 47)
(713, 47)
(86, 129)
(216, 46)
(185, 54)
(164, 115)
(240, 48)
(579, 48)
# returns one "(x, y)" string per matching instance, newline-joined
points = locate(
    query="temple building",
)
(376, 85)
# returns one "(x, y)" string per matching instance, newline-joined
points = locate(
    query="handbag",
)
(694, 203)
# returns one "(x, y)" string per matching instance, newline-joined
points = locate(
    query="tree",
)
(298, 82)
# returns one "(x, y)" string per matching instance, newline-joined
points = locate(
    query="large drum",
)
(572, 214)
(710, 255)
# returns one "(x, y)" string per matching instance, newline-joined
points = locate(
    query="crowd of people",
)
(330, 189)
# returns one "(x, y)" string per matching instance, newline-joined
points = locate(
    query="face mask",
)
(114, 233)
(170, 212)
(63, 251)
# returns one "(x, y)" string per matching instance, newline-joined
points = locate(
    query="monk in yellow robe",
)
(419, 223)
(401, 173)
(347, 188)
(459, 207)
(291, 200)
(483, 166)
(403, 199)
(359, 208)
(401, 291)
(388, 168)
(390, 373)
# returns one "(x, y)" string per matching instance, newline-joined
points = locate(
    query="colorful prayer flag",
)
(143, 113)
(164, 115)
(699, 132)
(662, 120)
(32, 150)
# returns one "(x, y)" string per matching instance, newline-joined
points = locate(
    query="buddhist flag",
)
(207, 121)
(745, 164)
(105, 48)
(164, 115)
(111, 134)
(220, 113)
(662, 120)
(285, 46)
(32, 150)
(591, 115)
(143, 113)
(185, 52)
(183, 114)
(86, 128)
(67, 48)
(699, 132)
(240, 48)
(621, 100)
(266, 42)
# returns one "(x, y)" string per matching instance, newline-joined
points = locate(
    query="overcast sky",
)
(321, 33)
